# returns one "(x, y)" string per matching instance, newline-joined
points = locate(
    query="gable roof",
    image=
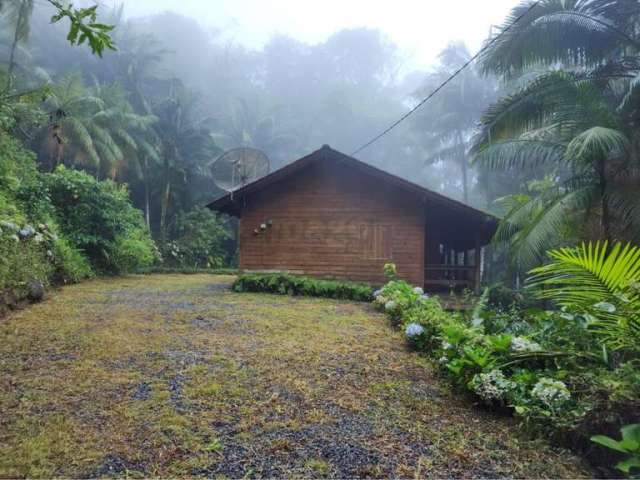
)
(230, 203)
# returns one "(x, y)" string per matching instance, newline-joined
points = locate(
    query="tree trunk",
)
(164, 206)
(464, 166)
(605, 219)
(465, 186)
(14, 45)
(145, 181)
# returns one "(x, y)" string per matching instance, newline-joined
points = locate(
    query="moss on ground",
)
(175, 375)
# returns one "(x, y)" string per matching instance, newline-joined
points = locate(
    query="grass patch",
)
(177, 375)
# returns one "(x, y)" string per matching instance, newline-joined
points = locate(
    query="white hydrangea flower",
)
(10, 226)
(418, 291)
(491, 386)
(377, 293)
(521, 344)
(390, 306)
(424, 297)
(38, 238)
(443, 360)
(446, 345)
(551, 392)
(413, 330)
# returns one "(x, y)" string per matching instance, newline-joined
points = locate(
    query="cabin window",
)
(375, 242)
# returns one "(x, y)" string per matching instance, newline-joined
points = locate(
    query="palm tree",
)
(254, 125)
(17, 13)
(188, 148)
(447, 126)
(91, 127)
(578, 120)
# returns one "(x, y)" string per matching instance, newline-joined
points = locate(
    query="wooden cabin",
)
(331, 215)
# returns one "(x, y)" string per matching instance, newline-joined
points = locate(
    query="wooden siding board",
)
(319, 217)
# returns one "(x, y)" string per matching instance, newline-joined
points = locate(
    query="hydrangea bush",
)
(545, 366)
(492, 386)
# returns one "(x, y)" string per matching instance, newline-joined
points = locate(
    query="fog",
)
(283, 77)
(419, 29)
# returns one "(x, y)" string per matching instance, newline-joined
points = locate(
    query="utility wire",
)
(447, 81)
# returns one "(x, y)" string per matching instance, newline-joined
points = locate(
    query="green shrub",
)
(203, 240)
(629, 445)
(69, 265)
(285, 284)
(98, 219)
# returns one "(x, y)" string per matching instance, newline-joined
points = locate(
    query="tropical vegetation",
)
(567, 373)
(110, 127)
(571, 118)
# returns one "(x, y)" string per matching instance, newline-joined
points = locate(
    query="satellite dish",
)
(235, 168)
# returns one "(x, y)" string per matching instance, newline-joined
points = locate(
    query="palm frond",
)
(596, 143)
(81, 138)
(539, 224)
(517, 153)
(596, 280)
(570, 32)
(551, 98)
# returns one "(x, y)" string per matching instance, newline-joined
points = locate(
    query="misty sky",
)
(420, 27)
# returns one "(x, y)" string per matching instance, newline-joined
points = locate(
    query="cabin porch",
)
(454, 253)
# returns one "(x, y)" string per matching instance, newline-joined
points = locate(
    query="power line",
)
(443, 84)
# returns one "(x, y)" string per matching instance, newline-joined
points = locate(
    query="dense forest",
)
(110, 127)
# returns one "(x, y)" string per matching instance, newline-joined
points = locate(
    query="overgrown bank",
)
(568, 373)
(62, 227)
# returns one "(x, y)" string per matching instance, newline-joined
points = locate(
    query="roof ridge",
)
(320, 154)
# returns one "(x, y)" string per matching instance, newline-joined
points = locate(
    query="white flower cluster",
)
(552, 393)
(521, 344)
(418, 291)
(446, 345)
(379, 299)
(413, 330)
(27, 232)
(492, 386)
(390, 306)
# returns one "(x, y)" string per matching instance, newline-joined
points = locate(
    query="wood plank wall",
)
(331, 220)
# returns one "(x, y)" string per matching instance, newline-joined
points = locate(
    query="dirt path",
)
(175, 375)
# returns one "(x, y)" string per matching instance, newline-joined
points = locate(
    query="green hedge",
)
(285, 284)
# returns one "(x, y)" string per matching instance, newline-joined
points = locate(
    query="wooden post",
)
(477, 258)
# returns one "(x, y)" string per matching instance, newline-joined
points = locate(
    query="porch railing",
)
(451, 276)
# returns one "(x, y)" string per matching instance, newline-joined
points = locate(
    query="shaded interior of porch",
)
(454, 252)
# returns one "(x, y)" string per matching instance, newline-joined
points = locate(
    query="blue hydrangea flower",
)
(413, 330)
(26, 232)
(418, 291)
